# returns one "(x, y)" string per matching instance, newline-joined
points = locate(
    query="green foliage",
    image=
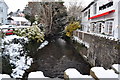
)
(6, 66)
(30, 18)
(33, 33)
(2, 34)
(71, 27)
(117, 46)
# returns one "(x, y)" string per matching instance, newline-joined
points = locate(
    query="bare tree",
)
(74, 10)
(52, 14)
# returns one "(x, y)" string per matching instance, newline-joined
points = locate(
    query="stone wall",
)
(102, 52)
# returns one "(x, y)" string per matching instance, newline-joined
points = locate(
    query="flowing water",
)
(56, 57)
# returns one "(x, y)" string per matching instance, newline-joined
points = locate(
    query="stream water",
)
(55, 58)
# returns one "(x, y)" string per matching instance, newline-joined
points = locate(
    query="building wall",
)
(104, 22)
(119, 19)
(3, 13)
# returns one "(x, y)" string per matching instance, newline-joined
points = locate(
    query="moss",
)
(117, 46)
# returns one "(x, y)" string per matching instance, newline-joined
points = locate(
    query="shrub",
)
(71, 27)
(33, 33)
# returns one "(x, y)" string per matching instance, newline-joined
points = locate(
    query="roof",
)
(9, 18)
(19, 19)
(2, 1)
(88, 6)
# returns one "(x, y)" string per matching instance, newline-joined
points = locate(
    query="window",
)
(2, 20)
(88, 13)
(100, 26)
(1, 9)
(106, 6)
(95, 8)
(109, 26)
(88, 28)
(93, 27)
(85, 14)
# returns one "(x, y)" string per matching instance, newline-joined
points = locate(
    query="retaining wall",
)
(101, 52)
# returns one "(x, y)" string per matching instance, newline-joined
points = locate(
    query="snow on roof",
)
(19, 19)
(2, 1)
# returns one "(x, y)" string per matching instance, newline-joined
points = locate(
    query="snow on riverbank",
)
(43, 44)
(81, 42)
(17, 55)
(4, 76)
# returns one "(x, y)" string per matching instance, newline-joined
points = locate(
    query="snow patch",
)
(80, 41)
(73, 73)
(100, 72)
(101, 35)
(21, 62)
(21, 66)
(116, 67)
(4, 76)
(37, 74)
(43, 44)
(9, 38)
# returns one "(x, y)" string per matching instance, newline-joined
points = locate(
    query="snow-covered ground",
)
(100, 72)
(40, 76)
(37, 74)
(14, 50)
(73, 73)
(43, 44)
(4, 76)
(116, 67)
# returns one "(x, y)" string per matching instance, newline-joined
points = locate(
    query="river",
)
(56, 57)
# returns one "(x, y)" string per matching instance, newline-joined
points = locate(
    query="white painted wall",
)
(119, 19)
(3, 12)
(115, 16)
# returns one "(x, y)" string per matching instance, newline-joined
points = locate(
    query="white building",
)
(18, 21)
(102, 17)
(3, 12)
